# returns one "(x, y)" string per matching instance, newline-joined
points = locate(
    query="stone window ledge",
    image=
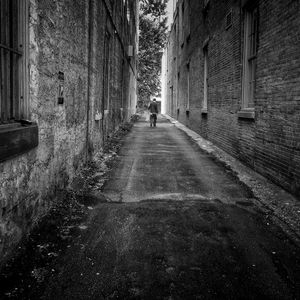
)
(246, 114)
(17, 139)
(204, 111)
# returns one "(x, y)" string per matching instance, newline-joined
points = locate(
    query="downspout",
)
(89, 48)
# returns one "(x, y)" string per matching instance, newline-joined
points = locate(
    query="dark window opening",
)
(11, 57)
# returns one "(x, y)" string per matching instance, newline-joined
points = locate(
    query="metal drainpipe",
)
(89, 48)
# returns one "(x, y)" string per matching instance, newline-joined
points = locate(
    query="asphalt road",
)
(180, 227)
(162, 163)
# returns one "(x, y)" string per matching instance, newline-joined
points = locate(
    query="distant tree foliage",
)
(153, 34)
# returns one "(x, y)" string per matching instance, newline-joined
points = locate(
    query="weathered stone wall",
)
(270, 142)
(66, 37)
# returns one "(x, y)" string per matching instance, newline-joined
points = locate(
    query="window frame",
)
(128, 12)
(188, 23)
(171, 99)
(205, 79)
(17, 49)
(178, 89)
(182, 27)
(18, 134)
(188, 68)
(250, 48)
(106, 71)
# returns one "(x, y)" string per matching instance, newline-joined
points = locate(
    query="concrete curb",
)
(279, 203)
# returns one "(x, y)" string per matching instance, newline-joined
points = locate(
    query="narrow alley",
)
(161, 163)
(176, 226)
(97, 202)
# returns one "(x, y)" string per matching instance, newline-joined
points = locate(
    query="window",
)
(13, 60)
(188, 21)
(205, 79)
(106, 71)
(182, 28)
(128, 13)
(171, 109)
(249, 57)
(123, 82)
(17, 134)
(178, 89)
(188, 86)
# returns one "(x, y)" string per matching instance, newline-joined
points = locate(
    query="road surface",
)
(179, 226)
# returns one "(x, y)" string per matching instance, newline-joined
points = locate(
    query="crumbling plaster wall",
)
(66, 40)
(28, 183)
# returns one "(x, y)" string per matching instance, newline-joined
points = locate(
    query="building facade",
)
(68, 80)
(233, 76)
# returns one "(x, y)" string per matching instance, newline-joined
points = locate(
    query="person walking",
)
(153, 112)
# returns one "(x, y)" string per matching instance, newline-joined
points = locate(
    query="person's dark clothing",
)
(153, 113)
(153, 108)
(153, 119)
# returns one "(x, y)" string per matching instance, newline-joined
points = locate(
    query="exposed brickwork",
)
(67, 36)
(270, 143)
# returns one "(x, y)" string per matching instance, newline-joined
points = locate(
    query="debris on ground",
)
(37, 258)
(89, 182)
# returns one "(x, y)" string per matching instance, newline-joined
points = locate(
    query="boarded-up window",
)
(13, 54)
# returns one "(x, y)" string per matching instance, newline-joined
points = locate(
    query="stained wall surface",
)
(66, 48)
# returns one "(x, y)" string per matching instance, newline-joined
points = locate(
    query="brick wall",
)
(269, 142)
(67, 37)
